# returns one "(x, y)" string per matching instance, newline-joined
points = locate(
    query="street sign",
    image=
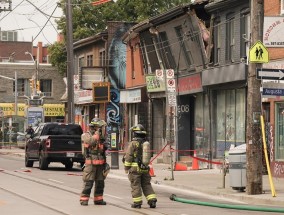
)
(271, 74)
(171, 85)
(273, 92)
(160, 74)
(258, 53)
(170, 73)
(172, 99)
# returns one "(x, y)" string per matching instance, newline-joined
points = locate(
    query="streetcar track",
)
(59, 187)
(33, 201)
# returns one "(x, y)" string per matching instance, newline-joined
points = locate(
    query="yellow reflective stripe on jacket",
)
(151, 196)
(128, 164)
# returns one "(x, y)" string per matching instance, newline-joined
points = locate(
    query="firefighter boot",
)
(152, 203)
(136, 205)
(102, 202)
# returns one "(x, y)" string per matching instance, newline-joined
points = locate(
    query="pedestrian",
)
(95, 169)
(256, 53)
(260, 53)
(138, 172)
(30, 130)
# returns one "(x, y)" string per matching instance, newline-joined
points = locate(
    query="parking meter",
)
(114, 140)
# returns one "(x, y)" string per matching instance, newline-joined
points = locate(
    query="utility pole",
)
(70, 62)
(253, 131)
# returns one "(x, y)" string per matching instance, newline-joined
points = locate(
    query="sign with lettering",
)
(154, 84)
(273, 31)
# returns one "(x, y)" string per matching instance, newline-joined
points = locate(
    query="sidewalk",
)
(208, 181)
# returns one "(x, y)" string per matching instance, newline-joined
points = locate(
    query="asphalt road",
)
(56, 191)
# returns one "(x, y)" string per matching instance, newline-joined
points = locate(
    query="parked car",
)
(54, 142)
(21, 141)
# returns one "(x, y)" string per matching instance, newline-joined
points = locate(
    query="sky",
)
(30, 19)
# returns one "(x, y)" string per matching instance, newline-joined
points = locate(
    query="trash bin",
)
(237, 167)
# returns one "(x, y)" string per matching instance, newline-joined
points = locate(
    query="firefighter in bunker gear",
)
(138, 173)
(95, 162)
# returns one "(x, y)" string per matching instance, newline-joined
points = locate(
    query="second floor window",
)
(245, 33)
(46, 87)
(230, 38)
(89, 60)
(183, 40)
(217, 40)
(102, 57)
(23, 87)
(169, 60)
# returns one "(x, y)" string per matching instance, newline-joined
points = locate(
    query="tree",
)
(89, 20)
(58, 56)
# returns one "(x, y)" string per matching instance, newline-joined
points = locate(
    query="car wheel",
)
(28, 162)
(43, 164)
(69, 165)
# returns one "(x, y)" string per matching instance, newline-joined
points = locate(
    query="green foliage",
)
(89, 20)
(58, 57)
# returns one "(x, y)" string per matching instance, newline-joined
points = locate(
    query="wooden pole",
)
(253, 131)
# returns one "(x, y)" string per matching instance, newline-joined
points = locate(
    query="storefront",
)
(12, 124)
(226, 88)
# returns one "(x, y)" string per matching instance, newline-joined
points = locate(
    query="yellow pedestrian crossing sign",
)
(258, 53)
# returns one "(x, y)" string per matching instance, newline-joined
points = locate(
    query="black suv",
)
(54, 142)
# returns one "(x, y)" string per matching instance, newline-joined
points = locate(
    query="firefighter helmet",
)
(138, 129)
(96, 122)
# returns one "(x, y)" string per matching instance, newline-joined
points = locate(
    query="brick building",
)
(26, 62)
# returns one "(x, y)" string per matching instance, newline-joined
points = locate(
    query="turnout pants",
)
(93, 174)
(141, 183)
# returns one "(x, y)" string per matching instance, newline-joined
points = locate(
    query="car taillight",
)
(47, 143)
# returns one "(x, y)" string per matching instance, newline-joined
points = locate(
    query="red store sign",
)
(190, 84)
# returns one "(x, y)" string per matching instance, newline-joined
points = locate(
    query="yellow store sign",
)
(54, 110)
(49, 109)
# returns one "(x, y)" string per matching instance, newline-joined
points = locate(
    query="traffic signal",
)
(32, 83)
(38, 86)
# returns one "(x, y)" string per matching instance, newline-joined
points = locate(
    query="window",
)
(23, 87)
(146, 63)
(81, 62)
(230, 38)
(182, 41)
(217, 40)
(169, 60)
(4, 35)
(9, 36)
(102, 57)
(132, 62)
(201, 124)
(46, 87)
(279, 132)
(89, 60)
(245, 33)
(230, 110)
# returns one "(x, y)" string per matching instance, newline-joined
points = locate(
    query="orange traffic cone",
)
(180, 166)
(195, 165)
(151, 171)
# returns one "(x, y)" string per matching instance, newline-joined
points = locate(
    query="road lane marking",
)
(56, 181)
